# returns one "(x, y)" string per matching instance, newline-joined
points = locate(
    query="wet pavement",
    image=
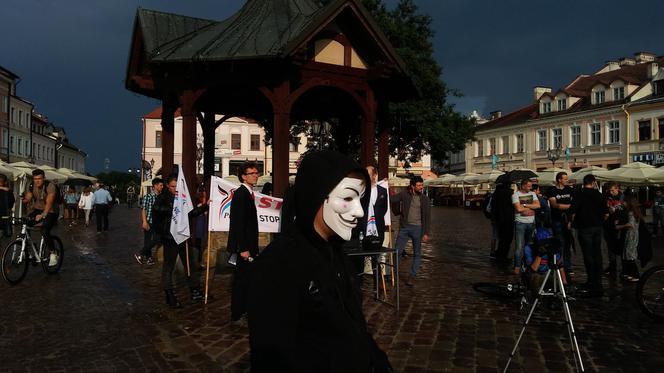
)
(104, 312)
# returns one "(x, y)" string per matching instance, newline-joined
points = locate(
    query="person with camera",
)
(560, 200)
(588, 212)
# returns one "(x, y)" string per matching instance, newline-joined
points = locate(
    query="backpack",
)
(58, 195)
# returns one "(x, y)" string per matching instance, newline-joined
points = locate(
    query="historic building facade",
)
(594, 120)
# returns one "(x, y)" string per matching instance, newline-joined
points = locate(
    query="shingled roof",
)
(260, 29)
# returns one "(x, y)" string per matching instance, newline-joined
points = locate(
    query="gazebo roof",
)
(260, 29)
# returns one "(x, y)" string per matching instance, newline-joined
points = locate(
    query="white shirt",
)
(86, 202)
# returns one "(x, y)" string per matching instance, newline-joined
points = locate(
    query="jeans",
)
(590, 240)
(657, 219)
(149, 242)
(563, 234)
(414, 232)
(523, 233)
(171, 252)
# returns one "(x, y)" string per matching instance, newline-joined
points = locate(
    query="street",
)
(104, 312)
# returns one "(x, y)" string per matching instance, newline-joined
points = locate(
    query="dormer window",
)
(562, 104)
(546, 107)
(658, 87)
(618, 93)
(599, 97)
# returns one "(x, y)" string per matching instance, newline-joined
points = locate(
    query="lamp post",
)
(319, 131)
(553, 155)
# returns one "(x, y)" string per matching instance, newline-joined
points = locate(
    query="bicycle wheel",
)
(650, 293)
(14, 262)
(53, 256)
(497, 290)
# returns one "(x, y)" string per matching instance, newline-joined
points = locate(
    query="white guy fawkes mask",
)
(342, 207)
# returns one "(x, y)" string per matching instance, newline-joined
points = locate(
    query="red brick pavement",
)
(104, 312)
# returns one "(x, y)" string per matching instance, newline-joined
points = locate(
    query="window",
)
(644, 130)
(562, 104)
(575, 135)
(614, 131)
(595, 134)
(492, 146)
(19, 146)
(236, 141)
(5, 104)
(546, 107)
(26, 146)
(506, 144)
(480, 148)
(11, 144)
(20, 118)
(39, 151)
(255, 142)
(157, 139)
(658, 88)
(557, 134)
(618, 93)
(599, 97)
(519, 143)
(660, 128)
(542, 142)
(13, 116)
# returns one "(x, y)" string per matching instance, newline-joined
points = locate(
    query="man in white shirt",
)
(525, 203)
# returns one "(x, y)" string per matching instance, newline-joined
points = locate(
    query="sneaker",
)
(197, 295)
(150, 261)
(52, 260)
(139, 258)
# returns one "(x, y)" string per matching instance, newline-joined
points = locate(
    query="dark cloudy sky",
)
(71, 55)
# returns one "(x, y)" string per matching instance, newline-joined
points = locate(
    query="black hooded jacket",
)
(305, 314)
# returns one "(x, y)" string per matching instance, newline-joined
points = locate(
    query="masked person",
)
(305, 314)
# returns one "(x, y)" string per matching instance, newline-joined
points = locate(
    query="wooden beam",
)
(187, 102)
(208, 125)
(368, 131)
(168, 108)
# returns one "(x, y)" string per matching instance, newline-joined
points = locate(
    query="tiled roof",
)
(635, 74)
(515, 117)
(156, 114)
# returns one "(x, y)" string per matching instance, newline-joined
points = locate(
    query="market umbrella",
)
(12, 173)
(489, 176)
(592, 170)
(71, 174)
(233, 179)
(77, 182)
(516, 176)
(632, 173)
(548, 176)
(263, 179)
(398, 182)
(49, 172)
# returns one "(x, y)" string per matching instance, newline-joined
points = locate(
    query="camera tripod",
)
(558, 291)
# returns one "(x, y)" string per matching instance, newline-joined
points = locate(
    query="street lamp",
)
(319, 131)
(553, 155)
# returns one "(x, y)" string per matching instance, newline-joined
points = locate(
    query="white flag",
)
(181, 208)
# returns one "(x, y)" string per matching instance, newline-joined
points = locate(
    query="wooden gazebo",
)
(276, 61)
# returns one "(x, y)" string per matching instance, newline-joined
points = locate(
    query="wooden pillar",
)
(383, 153)
(368, 132)
(187, 100)
(208, 146)
(280, 139)
(168, 108)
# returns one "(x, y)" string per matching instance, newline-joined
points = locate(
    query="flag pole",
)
(207, 268)
(186, 251)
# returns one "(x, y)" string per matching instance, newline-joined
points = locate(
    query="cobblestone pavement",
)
(104, 312)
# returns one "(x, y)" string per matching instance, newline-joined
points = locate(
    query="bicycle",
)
(650, 293)
(22, 251)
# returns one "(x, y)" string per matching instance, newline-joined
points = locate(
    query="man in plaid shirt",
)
(149, 239)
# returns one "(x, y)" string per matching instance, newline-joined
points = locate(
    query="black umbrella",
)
(515, 176)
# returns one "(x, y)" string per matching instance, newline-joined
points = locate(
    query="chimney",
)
(627, 62)
(612, 65)
(539, 91)
(653, 69)
(496, 114)
(643, 57)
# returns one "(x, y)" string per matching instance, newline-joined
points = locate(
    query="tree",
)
(427, 124)
(119, 181)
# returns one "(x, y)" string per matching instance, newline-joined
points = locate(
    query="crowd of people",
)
(582, 219)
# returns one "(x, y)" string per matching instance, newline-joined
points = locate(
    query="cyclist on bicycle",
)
(42, 197)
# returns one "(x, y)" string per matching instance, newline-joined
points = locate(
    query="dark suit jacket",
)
(243, 231)
(380, 209)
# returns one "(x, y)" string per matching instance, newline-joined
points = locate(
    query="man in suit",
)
(243, 236)
(373, 222)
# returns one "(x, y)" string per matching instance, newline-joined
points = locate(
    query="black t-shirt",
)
(563, 196)
(589, 208)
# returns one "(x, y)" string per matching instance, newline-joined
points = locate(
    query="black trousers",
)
(101, 216)
(590, 240)
(240, 288)
(505, 236)
(171, 252)
(149, 241)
